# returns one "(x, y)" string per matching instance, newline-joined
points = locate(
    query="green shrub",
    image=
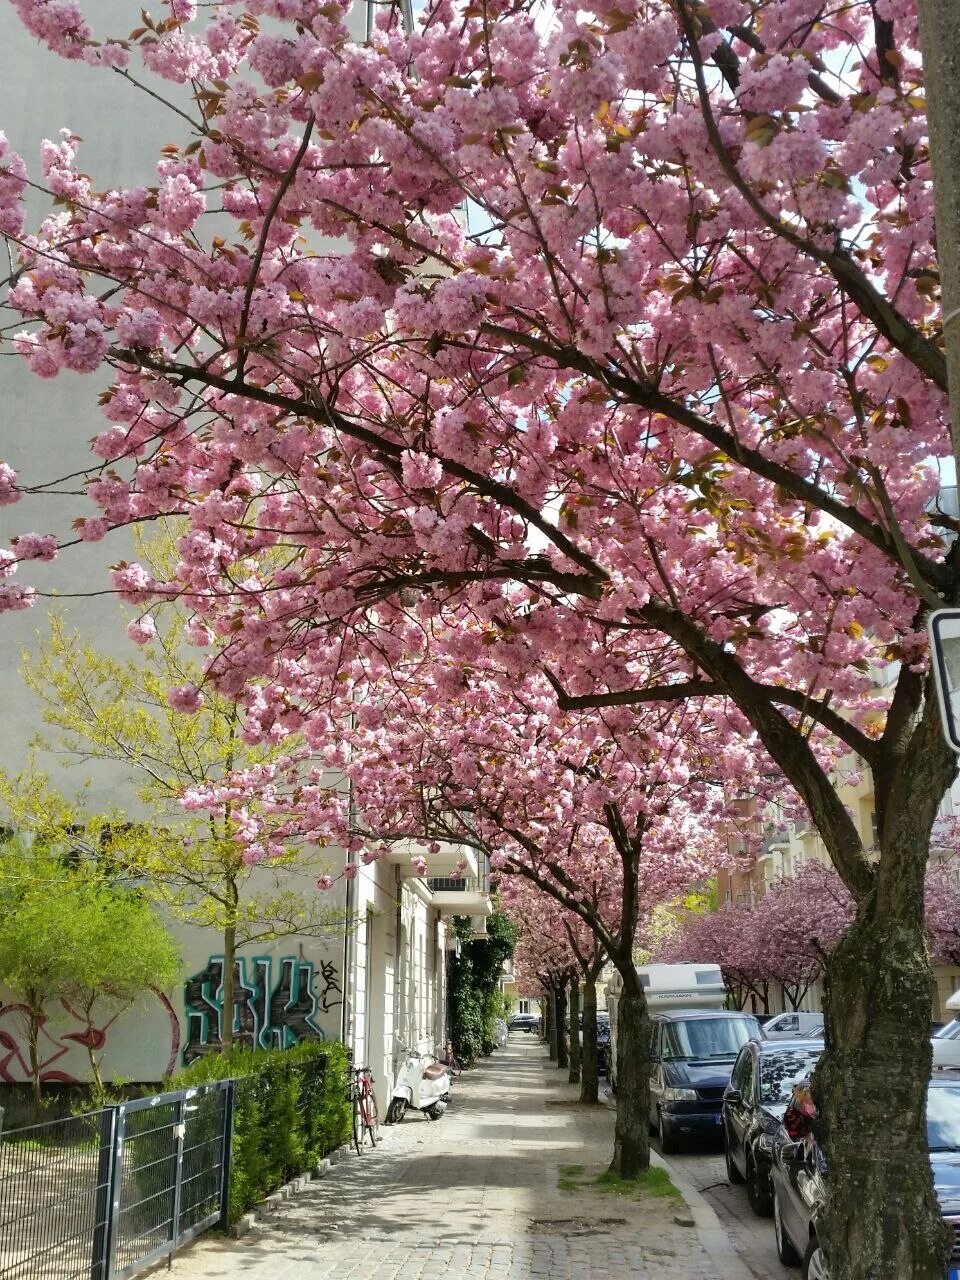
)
(475, 999)
(290, 1109)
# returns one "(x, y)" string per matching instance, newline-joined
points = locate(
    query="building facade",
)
(376, 983)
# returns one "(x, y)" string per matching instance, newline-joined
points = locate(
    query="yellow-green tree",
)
(68, 933)
(100, 708)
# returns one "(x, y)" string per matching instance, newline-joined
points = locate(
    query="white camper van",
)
(667, 987)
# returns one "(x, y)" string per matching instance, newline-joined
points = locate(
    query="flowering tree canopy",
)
(630, 350)
(785, 937)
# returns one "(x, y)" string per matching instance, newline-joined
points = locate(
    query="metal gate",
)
(105, 1195)
(168, 1180)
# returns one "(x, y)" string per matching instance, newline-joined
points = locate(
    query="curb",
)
(294, 1187)
(710, 1230)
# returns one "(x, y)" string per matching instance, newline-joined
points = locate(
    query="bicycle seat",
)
(434, 1071)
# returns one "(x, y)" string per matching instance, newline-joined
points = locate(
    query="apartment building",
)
(379, 982)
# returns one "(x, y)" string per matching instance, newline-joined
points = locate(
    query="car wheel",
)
(785, 1250)
(669, 1143)
(814, 1263)
(734, 1176)
(758, 1188)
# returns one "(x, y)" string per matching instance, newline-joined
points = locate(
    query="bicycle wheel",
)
(372, 1118)
(358, 1125)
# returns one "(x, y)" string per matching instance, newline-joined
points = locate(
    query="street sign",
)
(943, 628)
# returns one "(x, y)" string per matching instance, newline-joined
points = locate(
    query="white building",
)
(373, 986)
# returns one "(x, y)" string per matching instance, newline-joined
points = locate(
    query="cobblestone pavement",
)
(477, 1195)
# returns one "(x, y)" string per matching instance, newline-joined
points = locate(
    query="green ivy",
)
(475, 997)
(290, 1109)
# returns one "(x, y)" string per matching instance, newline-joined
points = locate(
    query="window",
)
(787, 1022)
(741, 1072)
(707, 1037)
(782, 1069)
(943, 1118)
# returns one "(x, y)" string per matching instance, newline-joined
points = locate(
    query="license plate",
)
(719, 1120)
(953, 1273)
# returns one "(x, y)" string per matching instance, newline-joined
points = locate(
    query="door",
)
(656, 1072)
(738, 1113)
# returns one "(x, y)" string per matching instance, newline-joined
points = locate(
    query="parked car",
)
(603, 1042)
(524, 1022)
(753, 1106)
(946, 1045)
(692, 1053)
(799, 1175)
(793, 1026)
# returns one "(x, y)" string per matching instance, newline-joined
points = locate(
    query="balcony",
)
(440, 864)
(463, 896)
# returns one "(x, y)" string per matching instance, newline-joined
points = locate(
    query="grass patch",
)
(655, 1182)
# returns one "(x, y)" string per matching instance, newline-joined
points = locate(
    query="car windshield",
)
(707, 1037)
(948, 1030)
(943, 1118)
(780, 1071)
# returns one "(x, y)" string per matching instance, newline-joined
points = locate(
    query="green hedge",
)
(291, 1108)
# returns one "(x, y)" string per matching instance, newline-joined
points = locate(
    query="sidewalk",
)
(475, 1195)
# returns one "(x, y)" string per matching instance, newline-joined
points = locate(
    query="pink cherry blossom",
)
(142, 631)
(186, 698)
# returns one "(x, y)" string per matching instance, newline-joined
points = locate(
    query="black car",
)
(692, 1052)
(753, 1105)
(524, 1022)
(799, 1177)
(603, 1041)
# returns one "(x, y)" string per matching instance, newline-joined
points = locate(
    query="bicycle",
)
(366, 1117)
(449, 1060)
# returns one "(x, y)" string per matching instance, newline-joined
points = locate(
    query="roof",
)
(684, 1015)
(945, 1077)
(806, 1042)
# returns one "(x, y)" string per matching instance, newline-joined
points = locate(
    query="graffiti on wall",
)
(266, 1014)
(60, 1031)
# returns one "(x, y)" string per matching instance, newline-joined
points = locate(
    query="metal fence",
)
(104, 1195)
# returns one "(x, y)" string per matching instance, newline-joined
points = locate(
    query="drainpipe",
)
(349, 962)
(399, 966)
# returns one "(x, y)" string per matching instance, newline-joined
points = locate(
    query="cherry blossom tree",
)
(545, 924)
(785, 938)
(942, 900)
(633, 356)
(606, 827)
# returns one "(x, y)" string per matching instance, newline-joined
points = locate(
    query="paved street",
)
(752, 1236)
(478, 1195)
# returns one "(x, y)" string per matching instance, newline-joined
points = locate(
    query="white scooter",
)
(422, 1083)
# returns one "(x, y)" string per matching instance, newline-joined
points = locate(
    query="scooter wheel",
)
(434, 1112)
(396, 1110)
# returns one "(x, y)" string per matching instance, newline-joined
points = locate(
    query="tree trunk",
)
(228, 1000)
(631, 1150)
(562, 1054)
(552, 1023)
(883, 1222)
(33, 1048)
(589, 1071)
(574, 1076)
